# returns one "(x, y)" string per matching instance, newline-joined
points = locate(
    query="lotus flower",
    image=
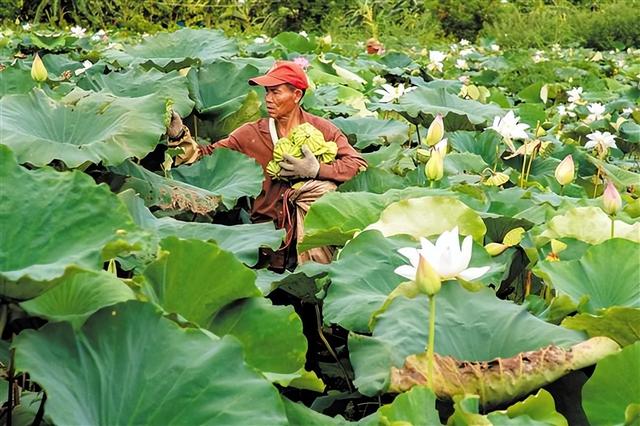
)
(38, 70)
(391, 94)
(509, 128)
(302, 61)
(427, 279)
(601, 140)
(446, 257)
(575, 94)
(78, 31)
(435, 60)
(611, 200)
(596, 111)
(565, 171)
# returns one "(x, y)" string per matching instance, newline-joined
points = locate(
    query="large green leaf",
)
(603, 279)
(226, 173)
(362, 277)
(336, 217)
(51, 221)
(137, 82)
(129, 365)
(77, 295)
(97, 128)
(15, 80)
(424, 103)
(536, 410)
(165, 193)
(372, 131)
(618, 323)
(415, 407)
(243, 241)
(196, 279)
(171, 51)
(613, 388)
(260, 325)
(588, 224)
(300, 415)
(469, 326)
(427, 216)
(219, 88)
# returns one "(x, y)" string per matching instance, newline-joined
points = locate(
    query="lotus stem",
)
(524, 163)
(495, 165)
(432, 338)
(595, 188)
(561, 190)
(612, 226)
(531, 158)
(432, 184)
(418, 132)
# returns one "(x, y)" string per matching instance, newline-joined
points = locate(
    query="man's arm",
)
(347, 164)
(229, 142)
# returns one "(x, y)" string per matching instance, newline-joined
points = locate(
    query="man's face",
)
(281, 100)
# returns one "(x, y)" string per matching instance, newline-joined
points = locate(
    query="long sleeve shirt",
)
(254, 139)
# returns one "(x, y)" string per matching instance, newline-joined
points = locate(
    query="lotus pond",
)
(129, 287)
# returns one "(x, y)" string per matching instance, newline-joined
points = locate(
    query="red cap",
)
(280, 73)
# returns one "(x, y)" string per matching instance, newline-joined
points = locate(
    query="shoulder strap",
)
(273, 131)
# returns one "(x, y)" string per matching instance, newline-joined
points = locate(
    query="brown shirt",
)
(254, 140)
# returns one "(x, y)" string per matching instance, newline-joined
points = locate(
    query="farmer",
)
(285, 84)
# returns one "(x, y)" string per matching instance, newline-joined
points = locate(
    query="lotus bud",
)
(423, 155)
(436, 131)
(611, 200)
(38, 71)
(435, 166)
(427, 279)
(565, 171)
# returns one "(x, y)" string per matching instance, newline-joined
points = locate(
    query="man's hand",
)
(175, 127)
(306, 167)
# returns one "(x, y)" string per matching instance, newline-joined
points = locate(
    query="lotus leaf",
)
(604, 280)
(77, 295)
(618, 323)
(99, 128)
(74, 236)
(415, 407)
(613, 389)
(372, 131)
(165, 374)
(172, 51)
(196, 279)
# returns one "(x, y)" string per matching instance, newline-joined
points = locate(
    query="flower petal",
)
(407, 271)
(465, 254)
(412, 254)
(471, 274)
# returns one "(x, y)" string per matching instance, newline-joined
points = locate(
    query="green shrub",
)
(614, 25)
(464, 18)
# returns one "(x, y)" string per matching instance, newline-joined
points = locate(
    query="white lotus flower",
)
(602, 141)
(539, 57)
(259, 40)
(461, 64)
(463, 42)
(575, 94)
(78, 31)
(26, 26)
(626, 112)
(494, 47)
(509, 128)
(446, 257)
(303, 34)
(391, 94)
(435, 60)
(596, 112)
(565, 111)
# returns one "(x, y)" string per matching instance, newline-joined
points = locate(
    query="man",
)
(285, 84)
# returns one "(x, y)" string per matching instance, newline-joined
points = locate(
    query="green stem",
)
(595, 188)
(612, 226)
(495, 166)
(531, 158)
(432, 338)
(561, 190)
(419, 139)
(432, 184)
(524, 163)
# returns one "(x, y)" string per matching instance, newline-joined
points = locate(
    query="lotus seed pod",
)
(427, 279)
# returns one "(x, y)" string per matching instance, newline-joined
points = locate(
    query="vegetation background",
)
(601, 25)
